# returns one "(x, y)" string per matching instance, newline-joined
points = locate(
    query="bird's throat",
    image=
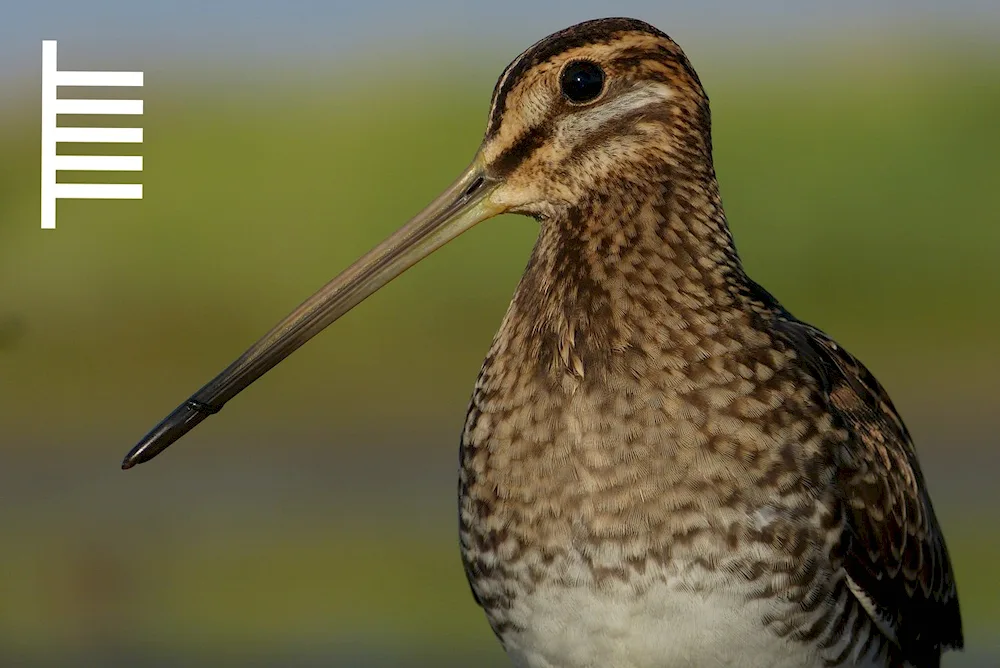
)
(613, 273)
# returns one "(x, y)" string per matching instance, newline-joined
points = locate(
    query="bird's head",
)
(587, 108)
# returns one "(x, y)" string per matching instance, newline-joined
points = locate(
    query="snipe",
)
(661, 466)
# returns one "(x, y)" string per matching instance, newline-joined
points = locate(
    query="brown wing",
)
(893, 549)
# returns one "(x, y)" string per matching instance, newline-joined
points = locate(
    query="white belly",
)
(664, 628)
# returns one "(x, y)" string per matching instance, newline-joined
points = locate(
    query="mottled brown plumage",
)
(644, 399)
(660, 466)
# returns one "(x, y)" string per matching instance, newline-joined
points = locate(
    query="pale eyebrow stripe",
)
(630, 101)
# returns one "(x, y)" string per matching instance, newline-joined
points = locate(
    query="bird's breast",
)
(667, 461)
(660, 495)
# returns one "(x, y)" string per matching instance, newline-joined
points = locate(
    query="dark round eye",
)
(582, 81)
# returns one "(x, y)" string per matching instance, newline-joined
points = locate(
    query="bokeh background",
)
(313, 522)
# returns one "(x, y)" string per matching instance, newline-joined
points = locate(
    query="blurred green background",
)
(313, 522)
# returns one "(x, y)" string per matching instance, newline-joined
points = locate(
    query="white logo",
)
(52, 106)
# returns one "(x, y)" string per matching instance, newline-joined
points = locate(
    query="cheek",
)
(519, 194)
(601, 157)
(535, 190)
(587, 166)
(605, 159)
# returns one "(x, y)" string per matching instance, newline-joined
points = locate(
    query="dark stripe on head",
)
(598, 31)
(619, 127)
(521, 150)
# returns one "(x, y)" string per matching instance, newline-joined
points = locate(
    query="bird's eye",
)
(582, 81)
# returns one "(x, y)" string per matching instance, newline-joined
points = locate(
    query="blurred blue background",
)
(313, 522)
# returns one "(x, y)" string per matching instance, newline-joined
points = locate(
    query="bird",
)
(660, 465)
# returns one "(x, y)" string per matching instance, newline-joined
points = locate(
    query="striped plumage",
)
(660, 465)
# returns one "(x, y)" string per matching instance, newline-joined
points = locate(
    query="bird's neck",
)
(632, 265)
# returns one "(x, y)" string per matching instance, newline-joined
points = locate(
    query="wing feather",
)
(894, 554)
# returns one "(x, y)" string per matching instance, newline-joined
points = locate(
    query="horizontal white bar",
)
(100, 135)
(98, 191)
(105, 163)
(98, 78)
(98, 106)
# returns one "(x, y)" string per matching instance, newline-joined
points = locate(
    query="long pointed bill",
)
(464, 204)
